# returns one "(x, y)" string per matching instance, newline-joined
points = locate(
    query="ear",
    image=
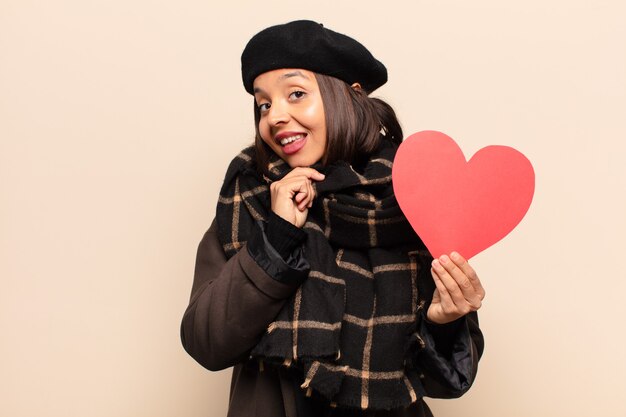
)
(356, 86)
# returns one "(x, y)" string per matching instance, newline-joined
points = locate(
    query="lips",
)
(291, 142)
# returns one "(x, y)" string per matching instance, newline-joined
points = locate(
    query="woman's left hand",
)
(458, 291)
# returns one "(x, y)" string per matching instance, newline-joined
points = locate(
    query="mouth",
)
(291, 142)
(286, 138)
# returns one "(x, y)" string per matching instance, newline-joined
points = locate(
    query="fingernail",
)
(444, 259)
(436, 264)
(455, 256)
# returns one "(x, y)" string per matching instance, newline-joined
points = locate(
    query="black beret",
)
(309, 45)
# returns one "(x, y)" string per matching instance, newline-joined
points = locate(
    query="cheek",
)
(315, 117)
(264, 131)
(319, 121)
(322, 132)
(262, 128)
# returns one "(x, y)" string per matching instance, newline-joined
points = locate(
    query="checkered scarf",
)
(351, 326)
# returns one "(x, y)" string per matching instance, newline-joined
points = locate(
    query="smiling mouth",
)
(291, 142)
(290, 139)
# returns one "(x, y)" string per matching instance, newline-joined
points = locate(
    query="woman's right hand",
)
(293, 195)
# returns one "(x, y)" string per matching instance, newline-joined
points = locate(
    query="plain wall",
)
(118, 119)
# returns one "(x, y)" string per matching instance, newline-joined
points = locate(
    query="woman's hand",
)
(458, 291)
(293, 195)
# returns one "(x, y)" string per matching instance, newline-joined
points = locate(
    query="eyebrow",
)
(284, 76)
(293, 74)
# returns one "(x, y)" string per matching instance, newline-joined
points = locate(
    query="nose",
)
(277, 114)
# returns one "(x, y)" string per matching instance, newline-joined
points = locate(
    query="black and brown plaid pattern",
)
(351, 326)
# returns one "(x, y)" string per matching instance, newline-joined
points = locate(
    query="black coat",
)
(232, 303)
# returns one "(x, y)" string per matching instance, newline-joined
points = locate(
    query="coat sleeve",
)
(233, 301)
(449, 356)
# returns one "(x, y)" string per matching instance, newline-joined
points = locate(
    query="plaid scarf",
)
(351, 326)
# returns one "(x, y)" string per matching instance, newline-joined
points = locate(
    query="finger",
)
(450, 284)
(300, 185)
(307, 172)
(311, 195)
(294, 186)
(314, 195)
(461, 279)
(445, 299)
(313, 174)
(303, 203)
(301, 196)
(462, 263)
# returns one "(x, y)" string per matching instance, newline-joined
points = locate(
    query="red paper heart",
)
(454, 205)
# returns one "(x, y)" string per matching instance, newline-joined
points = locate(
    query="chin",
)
(301, 162)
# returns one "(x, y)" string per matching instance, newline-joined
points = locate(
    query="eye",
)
(297, 94)
(263, 107)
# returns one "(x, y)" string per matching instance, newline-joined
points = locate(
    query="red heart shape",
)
(457, 205)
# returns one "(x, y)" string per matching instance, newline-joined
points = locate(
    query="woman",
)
(310, 281)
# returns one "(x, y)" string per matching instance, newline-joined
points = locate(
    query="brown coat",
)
(232, 303)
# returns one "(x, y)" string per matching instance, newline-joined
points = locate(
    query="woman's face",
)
(292, 119)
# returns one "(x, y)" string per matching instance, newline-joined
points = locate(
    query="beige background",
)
(118, 118)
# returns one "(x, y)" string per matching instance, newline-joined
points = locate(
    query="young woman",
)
(310, 281)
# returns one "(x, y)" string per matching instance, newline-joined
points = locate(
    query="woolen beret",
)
(309, 45)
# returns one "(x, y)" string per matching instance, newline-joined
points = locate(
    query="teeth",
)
(290, 139)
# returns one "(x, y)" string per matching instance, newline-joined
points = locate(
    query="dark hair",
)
(354, 122)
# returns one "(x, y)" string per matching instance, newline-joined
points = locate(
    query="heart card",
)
(459, 205)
